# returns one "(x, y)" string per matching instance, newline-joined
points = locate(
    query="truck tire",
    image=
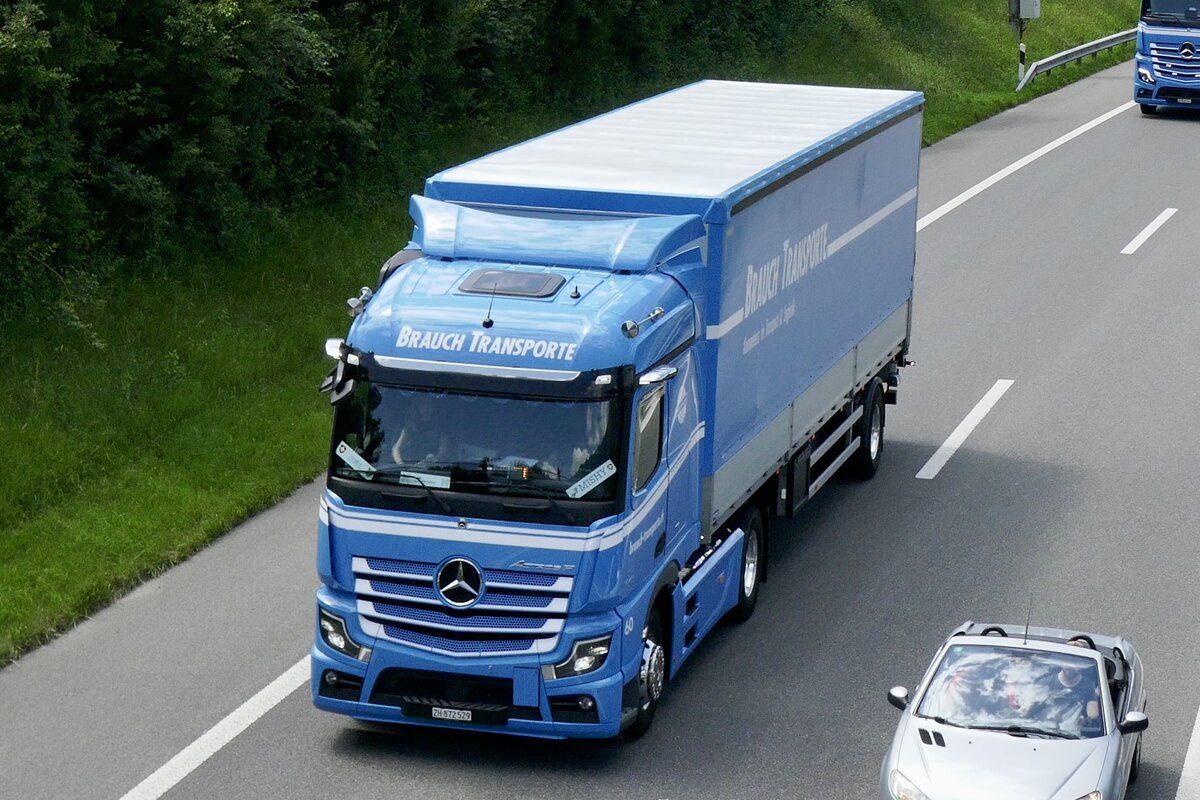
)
(652, 676)
(753, 555)
(869, 429)
(1147, 109)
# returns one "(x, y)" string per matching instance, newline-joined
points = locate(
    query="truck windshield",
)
(1171, 10)
(478, 444)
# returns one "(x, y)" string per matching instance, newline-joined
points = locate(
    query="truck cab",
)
(1167, 66)
(512, 422)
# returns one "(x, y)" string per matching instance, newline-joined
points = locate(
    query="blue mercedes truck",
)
(1167, 65)
(566, 415)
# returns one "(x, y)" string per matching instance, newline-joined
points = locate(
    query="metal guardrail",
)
(1076, 54)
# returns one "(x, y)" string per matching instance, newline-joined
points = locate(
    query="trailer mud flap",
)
(706, 596)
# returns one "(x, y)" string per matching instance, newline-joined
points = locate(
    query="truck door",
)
(683, 436)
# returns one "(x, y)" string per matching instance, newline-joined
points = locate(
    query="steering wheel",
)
(1082, 637)
(990, 629)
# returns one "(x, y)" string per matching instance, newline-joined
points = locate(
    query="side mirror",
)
(898, 696)
(1134, 722)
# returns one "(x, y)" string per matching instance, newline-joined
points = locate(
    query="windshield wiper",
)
(562, 511)
(944, 721)
(408, 475)
(1025, 730)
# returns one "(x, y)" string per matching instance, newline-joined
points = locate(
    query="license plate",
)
(1185, 99)
(456, 714)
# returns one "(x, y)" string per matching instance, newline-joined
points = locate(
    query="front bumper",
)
(1163, 95)
(509, 695)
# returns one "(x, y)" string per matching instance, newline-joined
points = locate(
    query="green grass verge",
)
(151, 419)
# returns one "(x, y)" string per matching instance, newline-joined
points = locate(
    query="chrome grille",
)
(1169, 63)
(519, 612)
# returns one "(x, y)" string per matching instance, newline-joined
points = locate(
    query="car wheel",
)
(869, 429)
(754, 551)
(652, 676)
(1135, 766)
(1148, 110)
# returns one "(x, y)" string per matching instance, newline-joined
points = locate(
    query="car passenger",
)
(1078, 695)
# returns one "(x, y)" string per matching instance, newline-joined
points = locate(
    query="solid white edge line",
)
(987, 183)
(1148, 231)
(163, 779)
(1189, 777)
(959, 435)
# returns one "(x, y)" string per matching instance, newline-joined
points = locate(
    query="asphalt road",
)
(1076, 496)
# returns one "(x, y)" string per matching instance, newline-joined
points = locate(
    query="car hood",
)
(985, 765)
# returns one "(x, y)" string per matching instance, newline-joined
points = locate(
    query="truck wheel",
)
(865, 461)
(753, 555)
(652, 676)
(1147, 109)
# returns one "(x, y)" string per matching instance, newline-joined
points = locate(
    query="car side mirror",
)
(898, 696)
(1134, 722)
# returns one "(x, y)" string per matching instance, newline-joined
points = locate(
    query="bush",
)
(130, 126)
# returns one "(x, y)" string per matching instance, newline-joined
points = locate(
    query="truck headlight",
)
(1146, 74)
(333, 633)
(588, 655)
(904, 789)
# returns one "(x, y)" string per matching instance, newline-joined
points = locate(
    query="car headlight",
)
(904, 789)
(333, 633)
(1146, 74)
(1092, 796)
(588, 655)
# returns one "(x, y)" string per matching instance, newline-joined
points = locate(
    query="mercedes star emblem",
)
(1187, 50)
(460, 583)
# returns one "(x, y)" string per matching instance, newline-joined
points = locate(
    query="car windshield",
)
(554, 449)
(1172, 9)
(1017, 690)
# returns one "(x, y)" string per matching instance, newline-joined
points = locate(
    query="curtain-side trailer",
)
(607, 358)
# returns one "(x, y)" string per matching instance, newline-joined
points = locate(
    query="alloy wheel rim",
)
(750, 568)
(876, 437)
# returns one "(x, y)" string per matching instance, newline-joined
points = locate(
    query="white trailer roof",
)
(701, 140)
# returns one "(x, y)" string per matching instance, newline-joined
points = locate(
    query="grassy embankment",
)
(185, 401)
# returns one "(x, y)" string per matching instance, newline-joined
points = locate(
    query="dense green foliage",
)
(130, 125)
(146, 417)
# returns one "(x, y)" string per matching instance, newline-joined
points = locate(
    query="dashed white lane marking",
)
(938, 460)
(1189, 778)
(987, 183)
(189, 758)
(1148, 231)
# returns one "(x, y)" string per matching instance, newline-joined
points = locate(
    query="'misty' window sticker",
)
(593, 479)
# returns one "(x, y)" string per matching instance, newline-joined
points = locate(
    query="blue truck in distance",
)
(1167, 64)
(567, 412)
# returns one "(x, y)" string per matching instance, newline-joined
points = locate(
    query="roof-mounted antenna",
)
(1028, 615)
(487, 320)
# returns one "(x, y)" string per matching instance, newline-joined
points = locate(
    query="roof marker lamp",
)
(904, 789)
(333, 633)
(588, 655)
